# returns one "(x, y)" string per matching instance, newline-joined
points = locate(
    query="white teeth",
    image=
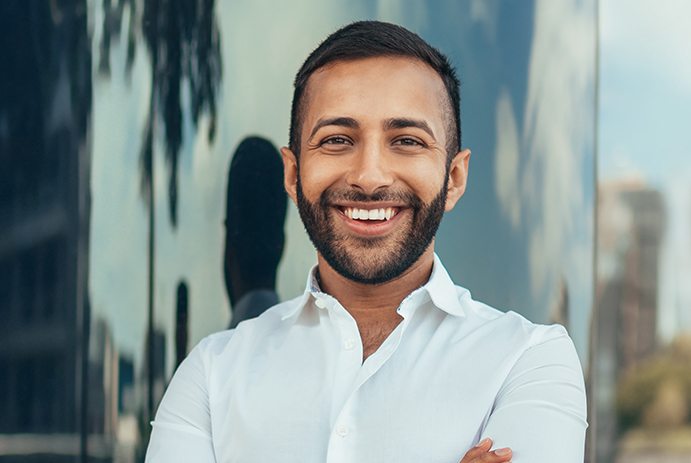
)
(373, 214)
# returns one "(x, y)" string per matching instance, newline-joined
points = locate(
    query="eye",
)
(337, 140)
(408, 141)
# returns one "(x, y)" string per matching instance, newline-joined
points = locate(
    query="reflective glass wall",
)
(45, 170)
(123, 192)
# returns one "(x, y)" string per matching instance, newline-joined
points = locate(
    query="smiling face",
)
(373, 177)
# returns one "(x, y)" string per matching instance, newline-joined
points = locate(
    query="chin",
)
(356, 266)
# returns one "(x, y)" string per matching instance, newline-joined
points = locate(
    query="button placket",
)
(349, 344)
(348, 362)
(343, 436)
(343, 418)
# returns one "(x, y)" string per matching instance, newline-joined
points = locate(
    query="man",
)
(382, 359)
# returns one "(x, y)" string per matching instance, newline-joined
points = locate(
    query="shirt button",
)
(320, 303)
(342, 430)
(349, 344)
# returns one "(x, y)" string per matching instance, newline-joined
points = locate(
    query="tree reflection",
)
(183, 44)
(653, 401)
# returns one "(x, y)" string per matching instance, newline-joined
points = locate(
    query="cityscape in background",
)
(112, 198)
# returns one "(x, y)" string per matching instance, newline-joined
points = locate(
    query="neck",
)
(367, 302)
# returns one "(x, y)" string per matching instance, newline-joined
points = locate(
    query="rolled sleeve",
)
(182, 427)
(540, 411)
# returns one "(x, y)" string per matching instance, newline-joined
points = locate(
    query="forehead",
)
(376, 89)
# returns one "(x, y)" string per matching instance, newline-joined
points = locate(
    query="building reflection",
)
(632, 223)
(45, 104)
(115, 139)
(118, 425)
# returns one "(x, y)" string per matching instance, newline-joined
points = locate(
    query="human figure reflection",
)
(256, 205)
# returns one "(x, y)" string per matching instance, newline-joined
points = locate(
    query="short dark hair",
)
(370, 39)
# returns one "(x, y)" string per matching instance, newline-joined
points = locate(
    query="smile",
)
(370, 221)
(370, 214)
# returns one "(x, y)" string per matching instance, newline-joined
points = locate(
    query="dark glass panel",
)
(45, 100)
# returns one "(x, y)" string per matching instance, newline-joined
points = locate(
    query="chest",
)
(374, 333)
(409, 401)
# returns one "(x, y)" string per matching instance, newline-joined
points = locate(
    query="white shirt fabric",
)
(290, 386)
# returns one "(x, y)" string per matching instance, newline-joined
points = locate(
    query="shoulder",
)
(472, 316)
(227, 342)
(509, 329)
(520, 349)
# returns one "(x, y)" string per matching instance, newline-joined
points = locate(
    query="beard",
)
(372, 260)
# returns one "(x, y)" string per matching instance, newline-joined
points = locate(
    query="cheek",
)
(426, 179)
(315, 178)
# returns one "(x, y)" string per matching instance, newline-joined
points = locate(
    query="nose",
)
(369, 169)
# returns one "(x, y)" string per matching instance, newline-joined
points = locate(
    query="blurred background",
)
(121, 217)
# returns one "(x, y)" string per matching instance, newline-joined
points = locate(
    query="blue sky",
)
(645, 125)
(645, 89)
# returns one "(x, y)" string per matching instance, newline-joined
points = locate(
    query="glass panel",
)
(45, 98)
(124, 349)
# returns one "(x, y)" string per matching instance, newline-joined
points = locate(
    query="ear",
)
(290, 173)
(458, 176)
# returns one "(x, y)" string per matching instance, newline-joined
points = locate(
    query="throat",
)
(374, 331)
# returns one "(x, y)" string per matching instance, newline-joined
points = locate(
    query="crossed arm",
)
(540, 411)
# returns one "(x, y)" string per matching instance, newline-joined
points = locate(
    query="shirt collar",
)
(444, 294)
(311, 288)
(440, 288)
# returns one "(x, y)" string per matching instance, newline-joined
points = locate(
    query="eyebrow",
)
(337, 121)
(389, 124)
(403, 122)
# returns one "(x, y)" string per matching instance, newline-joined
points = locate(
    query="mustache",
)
(330, 197)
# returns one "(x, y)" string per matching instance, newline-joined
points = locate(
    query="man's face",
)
(373, 179)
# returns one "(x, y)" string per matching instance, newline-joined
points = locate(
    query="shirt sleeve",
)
(540, 411)
(182, 427)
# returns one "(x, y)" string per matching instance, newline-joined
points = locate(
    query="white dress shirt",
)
(291, 386)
